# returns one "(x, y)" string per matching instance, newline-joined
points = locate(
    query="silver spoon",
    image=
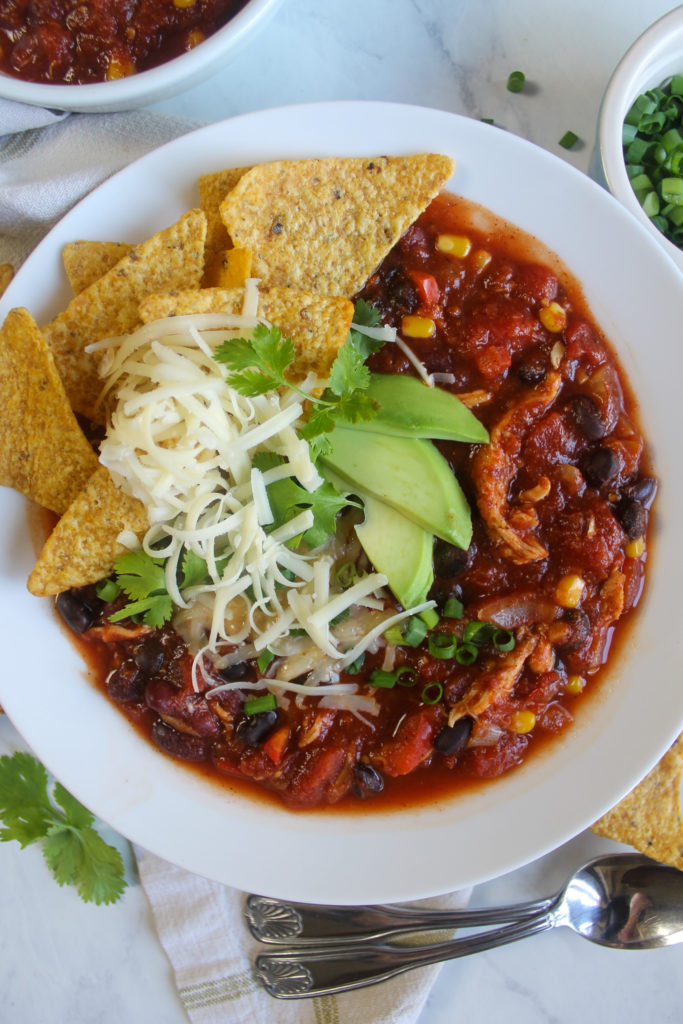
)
(624, 901)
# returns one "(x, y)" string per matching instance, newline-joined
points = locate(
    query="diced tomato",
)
(411, 744)
(493, 361)
(275, 745)
(427, 287)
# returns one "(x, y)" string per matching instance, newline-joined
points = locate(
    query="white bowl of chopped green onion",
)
(641, 131)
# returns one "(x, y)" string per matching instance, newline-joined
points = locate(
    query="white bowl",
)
(346, 856)
(655, 55)
(148, 86)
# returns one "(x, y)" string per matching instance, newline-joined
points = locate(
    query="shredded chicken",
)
(495, 684)
(494, 467)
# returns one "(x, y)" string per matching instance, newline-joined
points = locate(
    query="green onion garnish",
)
(347, 575)
(479, 633)
(264, 659)
(516, 80)
(387, 680)
(568, 140)
(430, 617)
(354, 668)
(258, 704)
(406, 676)
(503, 640)
(453, 609)
(466, 654)
(415, 632)
(432, 693)
(107, 590)
(442, 645)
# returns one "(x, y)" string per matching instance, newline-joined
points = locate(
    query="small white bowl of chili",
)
(79, 55)
(648, 66)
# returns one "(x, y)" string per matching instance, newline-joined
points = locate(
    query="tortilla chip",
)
(317, 324)
(324, 225)
(6, 275)
(43, 451)
(85, 262)
(83, 546)
(227, 269)
(173, 258)
(213, 188)
(650, 818)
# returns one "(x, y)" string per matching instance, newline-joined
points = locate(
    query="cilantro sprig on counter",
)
(258, 365)
(74, 851)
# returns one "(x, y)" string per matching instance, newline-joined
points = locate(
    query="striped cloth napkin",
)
(47, 163)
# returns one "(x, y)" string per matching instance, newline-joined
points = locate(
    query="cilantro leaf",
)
(348, 371)
(325, 502)
(139, 575)
(73, 849)
(193, 569)
(258, 363)
(356, 406)
(364, 315)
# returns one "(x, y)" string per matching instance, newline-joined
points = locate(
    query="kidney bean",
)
(586, 415)
(77, 614)
(367, 781)
(187, 712)
(454, 737)
(256, 728)
(150, 655)
(179, 744)
(126, 683)
(600, 467)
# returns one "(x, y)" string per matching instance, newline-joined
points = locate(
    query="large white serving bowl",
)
(150, 86)
(656, 55)
(636, 295)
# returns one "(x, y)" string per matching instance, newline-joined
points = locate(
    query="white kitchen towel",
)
(201, 926)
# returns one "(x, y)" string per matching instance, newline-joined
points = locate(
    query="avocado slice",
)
(407, 473)
(399, 548)
(409, 408)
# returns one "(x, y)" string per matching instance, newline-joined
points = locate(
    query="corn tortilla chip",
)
(649, 817)
(83, 546)
(173, 258)
(324, 225)
(213, 188)
(229, 268)
(318, 325)
(6, 275)
(43, 451)
(85, 262)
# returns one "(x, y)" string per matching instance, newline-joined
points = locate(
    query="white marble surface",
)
(63, 961)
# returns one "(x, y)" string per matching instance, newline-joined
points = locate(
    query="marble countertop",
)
(61, 960)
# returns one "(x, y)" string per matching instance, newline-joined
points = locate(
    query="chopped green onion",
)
(487, 120)
(406, 676)
(432, 693)
(107, 590)
(568, 140)
(442, 645)
(516, 80)
(379, 677)
(264, 659)
(354, 668)
(347, 575)
(504, 640)
(415, 632)
(258, 704)
(466, 654)
(430, 616)
(394, 635)
(453, 609)
(478, 633)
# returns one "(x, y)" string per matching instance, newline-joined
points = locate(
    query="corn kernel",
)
(194, 38)
(553, 317)
(183, 3)
(481, 259)
(454, 245)
(119, 68)
(575, 685)
(635, 548)
(418, 327)
(522, 721)
(569, 590)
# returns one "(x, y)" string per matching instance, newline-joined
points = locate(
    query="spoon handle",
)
(301, 972)
(279, 922)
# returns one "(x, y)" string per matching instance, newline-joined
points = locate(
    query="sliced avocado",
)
(399, 548)
(409, 408)
(407, 473)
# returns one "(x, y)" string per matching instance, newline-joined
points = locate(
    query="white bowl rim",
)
(146, 85)
(620, 93)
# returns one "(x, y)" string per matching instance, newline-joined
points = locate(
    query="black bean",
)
(150, 655)
(367, 781)
(586, 414)
(454, 737)
(126, 683)
(240, 670)
(448, 560)
(179, 744)
(643, 490)
(531, 373)
(600, 467)
(571, 631)
(256, 728)
(632, 516)
(77, 614)
(403, 292)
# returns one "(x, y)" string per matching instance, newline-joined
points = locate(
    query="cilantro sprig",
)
(258, 365)
(141, 577)
(74, 851)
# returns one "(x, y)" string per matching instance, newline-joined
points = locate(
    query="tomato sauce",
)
(560, 502)
(74, 42)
